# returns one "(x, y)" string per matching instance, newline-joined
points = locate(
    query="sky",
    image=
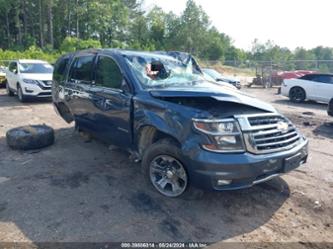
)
(288, 23)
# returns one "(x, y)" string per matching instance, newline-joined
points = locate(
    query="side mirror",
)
(15, 71)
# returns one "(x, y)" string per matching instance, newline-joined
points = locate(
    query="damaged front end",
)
(229, 140)
(226, 138)
(234, 122)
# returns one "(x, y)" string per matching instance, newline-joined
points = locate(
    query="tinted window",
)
(324, 78)
(60, 69)
(82, 68)
(108, 73)
(13, 66)
(306, 77)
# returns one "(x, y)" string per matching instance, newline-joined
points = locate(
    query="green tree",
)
(305, 59)
(156, 24)
(194, 25)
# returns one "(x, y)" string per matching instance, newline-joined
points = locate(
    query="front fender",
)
(161, 116)
(166, 122)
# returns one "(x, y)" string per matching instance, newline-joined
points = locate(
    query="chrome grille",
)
(264, 120)
(45, 84)
(269, 133)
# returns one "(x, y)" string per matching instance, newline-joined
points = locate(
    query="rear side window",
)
(108, 73)
(307, 77)
(324, 79)
(60, 69)
(82, 68)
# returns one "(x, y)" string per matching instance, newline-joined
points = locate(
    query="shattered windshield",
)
(159, 70)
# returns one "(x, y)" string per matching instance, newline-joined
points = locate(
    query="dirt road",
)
(83, 191)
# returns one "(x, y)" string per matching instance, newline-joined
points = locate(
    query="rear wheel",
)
(9, 91)
(297, 94)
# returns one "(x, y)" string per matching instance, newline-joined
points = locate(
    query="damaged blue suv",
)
(184, 128)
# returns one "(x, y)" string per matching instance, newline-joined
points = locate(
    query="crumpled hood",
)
(215, 91)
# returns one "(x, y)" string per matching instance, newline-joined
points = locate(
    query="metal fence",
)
(265, 72)
(324, 66)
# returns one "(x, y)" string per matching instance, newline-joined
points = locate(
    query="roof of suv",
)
(134, 52)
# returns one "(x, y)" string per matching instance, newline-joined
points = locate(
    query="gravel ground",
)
(79, 190)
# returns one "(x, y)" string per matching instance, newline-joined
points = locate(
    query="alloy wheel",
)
(19, 93)
(168, 175)
(297, 94)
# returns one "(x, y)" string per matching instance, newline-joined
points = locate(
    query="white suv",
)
(29, 78)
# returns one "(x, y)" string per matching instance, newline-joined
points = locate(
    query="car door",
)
(324, 87)
(111, 98)
(11, 75)
(77, 89)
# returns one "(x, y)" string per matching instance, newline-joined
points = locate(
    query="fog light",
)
(223, 182)
(28, 90)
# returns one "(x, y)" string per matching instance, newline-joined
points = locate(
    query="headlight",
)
(29, 81)
(225, 135)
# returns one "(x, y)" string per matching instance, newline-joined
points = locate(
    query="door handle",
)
(98, 101)
(109, 105)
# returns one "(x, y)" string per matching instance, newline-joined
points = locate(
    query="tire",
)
(330, 108)
(22, 98)
(30, 137)
(297, 94)
(9, 91)
(162, 165)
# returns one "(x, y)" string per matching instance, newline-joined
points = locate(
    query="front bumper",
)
(36, 91)
(206, 168)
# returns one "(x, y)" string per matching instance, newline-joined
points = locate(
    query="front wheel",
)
(297, 94)
(20, 94)
(164, 169)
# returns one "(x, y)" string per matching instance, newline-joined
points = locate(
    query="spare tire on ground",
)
(30, 137)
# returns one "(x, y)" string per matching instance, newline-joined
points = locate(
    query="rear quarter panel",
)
(304, 84)
(285, 88)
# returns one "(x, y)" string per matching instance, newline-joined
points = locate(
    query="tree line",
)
(113, 23)
(57, 26)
